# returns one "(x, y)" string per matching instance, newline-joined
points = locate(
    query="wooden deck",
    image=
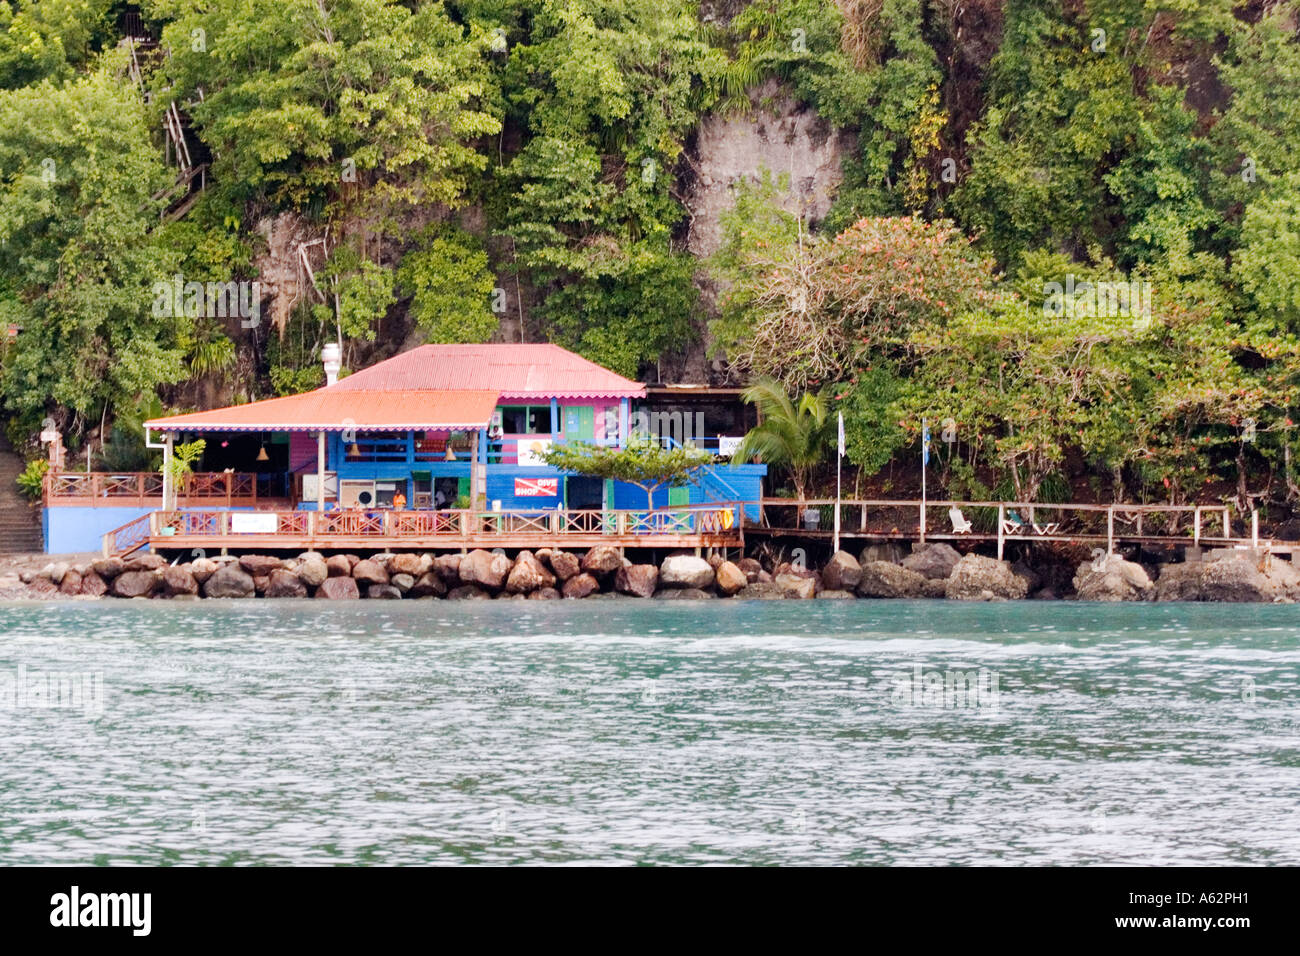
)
(711, 526)
(1105, 526)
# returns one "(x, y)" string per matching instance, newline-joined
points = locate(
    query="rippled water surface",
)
(655, 732)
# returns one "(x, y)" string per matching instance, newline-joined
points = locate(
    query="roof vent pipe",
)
(331, 356)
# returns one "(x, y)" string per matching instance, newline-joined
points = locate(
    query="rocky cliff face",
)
(777, 134)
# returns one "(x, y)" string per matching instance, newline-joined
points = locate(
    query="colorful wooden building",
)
(439, 428)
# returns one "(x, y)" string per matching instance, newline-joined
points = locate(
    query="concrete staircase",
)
(20, 521)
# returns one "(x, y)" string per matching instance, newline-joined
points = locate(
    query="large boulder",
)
(447, 567)
(468, 592)
(403, 582)
(528, 574)
(338, 566)
(842, 572)
(933, 561)
(260, 565)
(760, 591)
(284, 583)
(545, 594)
(751, 568)
(93, 585)
(55, 571)
(564, 564)
(70, 582)
(884, 579)
(1112, 579)
(383, 592)
(581, 585)
(369, 572)
(108, 568)
(131, 584)
(229, 581)
(684, 594)
(145, 561)
(411, 564)
(428, 584)
(339, 588)
(602, 559)
(1232, 575)
(485, 568)
(796, 585)
(685, 571)
(731, 579)
(179, 580)
(977, 578)
(1234, 579)
(835, 595)
(639, 580)
(203, 568)
(1179, 582)
(313, 571)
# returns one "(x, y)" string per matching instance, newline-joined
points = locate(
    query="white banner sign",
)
(727, 445)
(252, 522)
(531, 450)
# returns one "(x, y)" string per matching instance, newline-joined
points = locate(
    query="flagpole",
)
(839, 458)
(925, 449)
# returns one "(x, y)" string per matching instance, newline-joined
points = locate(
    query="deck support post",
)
(1227, 525)
(1254, 528)
(1002, 516)
(1110, 530)
(320, 471)
(169, 492)
(1196, 527)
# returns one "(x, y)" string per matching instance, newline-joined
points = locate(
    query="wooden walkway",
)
(697, 526)
(1086, 524)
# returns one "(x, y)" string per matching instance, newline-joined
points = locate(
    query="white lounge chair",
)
(959, 523)
(1051, 528)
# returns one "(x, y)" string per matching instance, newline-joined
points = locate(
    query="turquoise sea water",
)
(650, 732)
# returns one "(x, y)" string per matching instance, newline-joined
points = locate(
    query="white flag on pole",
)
(841, 434)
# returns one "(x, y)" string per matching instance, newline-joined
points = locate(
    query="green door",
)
(580, 423)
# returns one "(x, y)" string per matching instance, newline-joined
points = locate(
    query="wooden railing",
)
(1015, 520)
(129, 537)
(718, 523)
(97, 488)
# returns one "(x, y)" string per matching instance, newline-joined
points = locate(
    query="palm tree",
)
(789, 433)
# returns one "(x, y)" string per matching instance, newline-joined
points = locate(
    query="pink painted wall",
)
(302, 450)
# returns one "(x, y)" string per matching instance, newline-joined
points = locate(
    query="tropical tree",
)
(642, 462)
(80, 254)
(793, 433)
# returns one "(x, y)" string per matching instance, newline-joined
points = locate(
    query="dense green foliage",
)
(468, 170)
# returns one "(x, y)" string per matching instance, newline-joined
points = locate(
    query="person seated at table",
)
(399, 501)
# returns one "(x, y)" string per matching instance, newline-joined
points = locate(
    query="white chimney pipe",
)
(332, 358)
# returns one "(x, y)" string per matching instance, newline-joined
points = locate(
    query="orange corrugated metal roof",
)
(514, 371)
(336, 409)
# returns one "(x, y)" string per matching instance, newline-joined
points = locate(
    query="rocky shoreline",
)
(935, 571)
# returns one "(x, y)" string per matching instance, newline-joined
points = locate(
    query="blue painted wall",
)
(69, 530)
(75, 530)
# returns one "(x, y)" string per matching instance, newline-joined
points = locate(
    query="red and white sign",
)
(537, 487)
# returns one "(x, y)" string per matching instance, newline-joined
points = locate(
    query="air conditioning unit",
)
(355, 493)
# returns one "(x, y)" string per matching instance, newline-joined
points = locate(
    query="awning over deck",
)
(335, 409)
